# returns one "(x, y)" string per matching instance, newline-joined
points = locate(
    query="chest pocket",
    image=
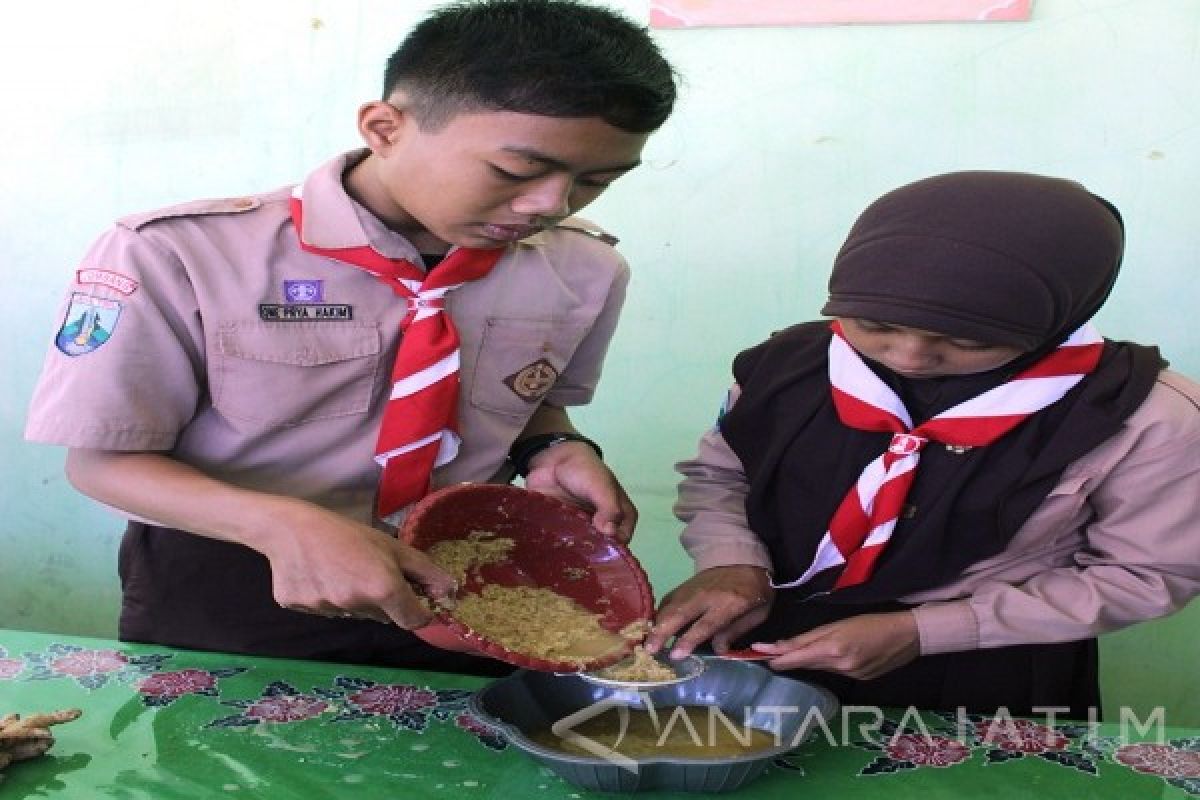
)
(519, 361)
(278, 374)
(1058, 524)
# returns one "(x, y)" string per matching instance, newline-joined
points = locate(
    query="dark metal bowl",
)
(746, 693)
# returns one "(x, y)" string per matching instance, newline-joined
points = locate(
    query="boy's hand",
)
(862, 647)
(339, 568)
(321, 562)
(571, 471)
(720, 603)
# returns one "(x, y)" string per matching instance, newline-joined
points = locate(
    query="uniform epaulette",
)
(580, 225)
(224, 205)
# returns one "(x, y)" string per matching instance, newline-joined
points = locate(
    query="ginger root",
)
(21, 739)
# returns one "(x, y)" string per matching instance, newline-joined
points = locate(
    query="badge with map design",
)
(532, 381)
(88, 324)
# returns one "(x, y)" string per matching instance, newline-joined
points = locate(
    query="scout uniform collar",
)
(334, 221)
(419, 427)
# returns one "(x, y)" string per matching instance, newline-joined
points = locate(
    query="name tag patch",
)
(89, 323)
(302, 312)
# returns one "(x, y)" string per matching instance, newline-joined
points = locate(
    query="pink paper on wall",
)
(729, 13)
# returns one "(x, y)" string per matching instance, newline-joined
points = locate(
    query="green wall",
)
(782, 136)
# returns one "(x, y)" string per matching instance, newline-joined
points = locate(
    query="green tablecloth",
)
(161, 723)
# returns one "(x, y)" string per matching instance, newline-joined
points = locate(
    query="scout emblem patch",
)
(531, 382)
(304, 291)
(305, 301)
(89, 323)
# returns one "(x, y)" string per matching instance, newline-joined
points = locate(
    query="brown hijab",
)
(1006, 258)
(998, 257)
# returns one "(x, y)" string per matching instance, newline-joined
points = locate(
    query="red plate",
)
(555, 548)
(746, 654)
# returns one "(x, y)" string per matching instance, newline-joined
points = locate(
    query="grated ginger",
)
(458, 556)
(537, 622)
(641, 667)
(531, 621)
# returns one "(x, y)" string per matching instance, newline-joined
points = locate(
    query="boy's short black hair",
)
(557, 58)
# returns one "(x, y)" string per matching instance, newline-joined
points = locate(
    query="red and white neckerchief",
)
(863, 523)
(419, 430)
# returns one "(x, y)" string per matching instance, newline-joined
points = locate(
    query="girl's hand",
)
(861, 647)
(720, 603)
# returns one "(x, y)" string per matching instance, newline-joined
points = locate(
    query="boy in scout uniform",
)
(263, 384)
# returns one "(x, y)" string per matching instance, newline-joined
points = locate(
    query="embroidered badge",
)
(89, 323)
(106, 277)
(301, 312)
(304, 291)
(531, 382)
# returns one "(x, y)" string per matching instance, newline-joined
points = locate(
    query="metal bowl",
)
(745, 693)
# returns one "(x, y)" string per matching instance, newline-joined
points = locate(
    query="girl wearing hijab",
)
(942, 496)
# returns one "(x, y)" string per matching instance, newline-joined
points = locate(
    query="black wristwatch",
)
(523, 450)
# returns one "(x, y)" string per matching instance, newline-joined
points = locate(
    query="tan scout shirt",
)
(1117, 541)
(208, 358)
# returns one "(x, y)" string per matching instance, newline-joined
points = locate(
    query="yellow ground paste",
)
(537, 622)
(532, 621)
(640, 667)
(457, 556)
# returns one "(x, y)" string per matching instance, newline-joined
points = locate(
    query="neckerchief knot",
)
(419, 427)
(863, 523)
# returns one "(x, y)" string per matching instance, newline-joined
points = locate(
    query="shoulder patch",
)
(589, 228)
(88, 324)
(225, 205)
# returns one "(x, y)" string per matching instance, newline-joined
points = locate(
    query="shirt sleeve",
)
(577, 384)
(1140, 557)
(712, 505)
(125, 368)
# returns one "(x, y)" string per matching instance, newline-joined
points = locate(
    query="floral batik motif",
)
(406, 706)
(164, 688)
(90, 668)
(279, 702)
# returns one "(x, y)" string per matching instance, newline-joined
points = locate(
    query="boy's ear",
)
(380, 124)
